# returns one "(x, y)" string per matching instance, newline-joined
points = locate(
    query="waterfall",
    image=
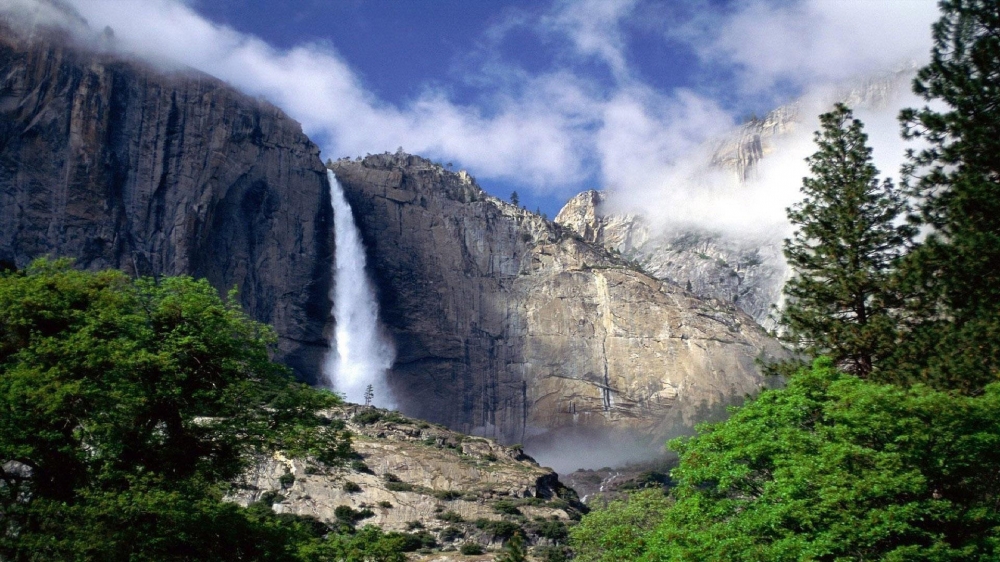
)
(360, 354)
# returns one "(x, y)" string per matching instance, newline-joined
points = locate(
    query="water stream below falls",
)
(360, 353)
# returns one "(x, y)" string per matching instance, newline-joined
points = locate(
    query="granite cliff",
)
(748, 273)
(506, 325)
(511, 326)
(119, 164)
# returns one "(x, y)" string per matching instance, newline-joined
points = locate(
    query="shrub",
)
(450, 517)
(552, 530)
(449, 534)
(447, 495)
(351, 487)
(367, 417)
(499, 529)
(399, 486)
(553, 553)
(506, 507)
(347, 514)
(471, 549)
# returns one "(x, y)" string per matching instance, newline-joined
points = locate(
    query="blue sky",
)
(547, 97)
(399, 49)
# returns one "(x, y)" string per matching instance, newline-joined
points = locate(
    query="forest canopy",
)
(129, 407)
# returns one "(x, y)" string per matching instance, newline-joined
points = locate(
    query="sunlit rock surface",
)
(511, 326)
(409, 471)
(748, 273)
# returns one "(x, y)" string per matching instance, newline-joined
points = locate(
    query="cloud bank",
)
(563, 129)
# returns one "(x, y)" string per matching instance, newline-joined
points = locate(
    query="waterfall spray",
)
(360, 354)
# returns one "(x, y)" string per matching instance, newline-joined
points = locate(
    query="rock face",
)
(510, 326)
(410, 471)
(749, 274)
(740, 151)
(118, 164)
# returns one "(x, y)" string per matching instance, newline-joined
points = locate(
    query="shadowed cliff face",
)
(513, 327)
(117, 164)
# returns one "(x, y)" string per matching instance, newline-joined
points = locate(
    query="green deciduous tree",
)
(955, 272)
(621, 530)
(833, 467)
(843, 251)
(128, 406)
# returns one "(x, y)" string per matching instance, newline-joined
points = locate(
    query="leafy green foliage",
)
(833, 468)
(498, 529)
(506, 507)
(450, 534)
(348, 515)
(843, 250)
(621, 530)
(396, 486)
(367, 417)
(553, 530)
(450, 517)
(471, 549)
(954, 339)
(128, 407)
(447, 495)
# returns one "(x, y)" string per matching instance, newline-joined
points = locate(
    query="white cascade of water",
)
(360, 354)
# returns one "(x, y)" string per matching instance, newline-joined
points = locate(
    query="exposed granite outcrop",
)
(119, 164)
(410, 471)
(511, 326)
(750, 274)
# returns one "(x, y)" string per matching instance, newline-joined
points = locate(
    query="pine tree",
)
(369, 394)
(954, 339)
(843, 250)
(515, 199)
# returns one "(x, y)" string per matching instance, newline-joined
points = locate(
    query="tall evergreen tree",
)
(842, 252)
(954, 273)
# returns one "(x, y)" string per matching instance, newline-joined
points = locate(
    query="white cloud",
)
(594, 28)
(813, 41)
(536, 137)
(559, 129)
(816, 47)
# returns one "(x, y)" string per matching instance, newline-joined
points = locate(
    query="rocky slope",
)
(119, 164)
(513, 327)
(413, 476)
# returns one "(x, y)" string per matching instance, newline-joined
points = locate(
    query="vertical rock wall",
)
(118, 164)
(511, 326)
